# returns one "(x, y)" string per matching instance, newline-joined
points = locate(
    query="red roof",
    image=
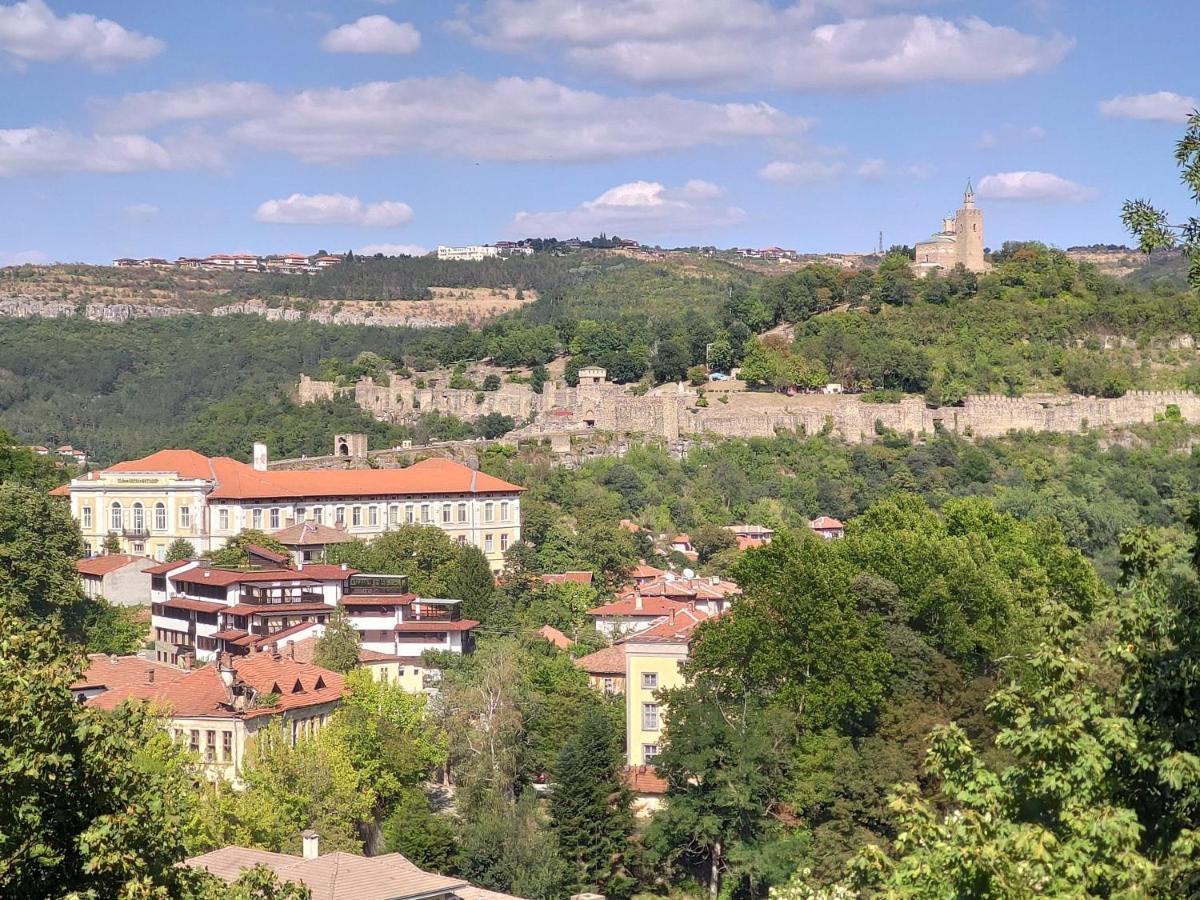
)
(652, 607)
(118, 673)
(164, 568)
(103, 565)
(606, 661)
(190, 605)
(278, 558)
(457, 625)
(748, 543)
(275, 609)
(673, 629)
(825, 523)
(561, 577)
(641, 570)
(644, 780)
(377, 599)
(556, 637)
(200, 692)
(63, 490)
(227, 577)
(237, 481)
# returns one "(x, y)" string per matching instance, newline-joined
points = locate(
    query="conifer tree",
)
(339, 646)
(589, 810)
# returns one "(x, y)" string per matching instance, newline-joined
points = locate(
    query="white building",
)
(473, 253)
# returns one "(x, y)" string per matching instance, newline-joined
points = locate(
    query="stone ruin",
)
(676, 412)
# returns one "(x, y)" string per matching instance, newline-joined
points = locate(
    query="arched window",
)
(160, 516)
(116, 517)
(139, 518)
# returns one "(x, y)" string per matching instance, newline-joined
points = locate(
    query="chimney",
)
(291, 649)
(274, 647)
(150, 676)
(637, 601)
(311, 844)
(260, 457)
(344, 567)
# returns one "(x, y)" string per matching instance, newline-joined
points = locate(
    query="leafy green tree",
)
(112, 543)
(39, 544)
(491, 382)
(537, 378)
(258, 883)
(116, 630)
(1151, 226)
(423, 837)
(20, 465)
(424, 553)
(180, 549)
(506, 848)
(709, 540)
(233, 554)
(670, 361)
(473, 583)
(92, 803)
(589, 809)
(338, 648)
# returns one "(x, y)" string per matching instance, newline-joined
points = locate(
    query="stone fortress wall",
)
(671, 412)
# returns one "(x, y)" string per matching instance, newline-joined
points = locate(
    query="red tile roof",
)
(201, 693)
(434, 626)
(103, 565)
(561, 577)
(190, 605)
(652, 607)
(555, 637)
(673, 629)
(748, 543)
(164, 568)
(311, 534)
(119, 673)
(274, 609)
(644, 780)
(606, 661)
(63, 490)
(279, 559)
(824, 523)
(642, 570)
(184, 463)
(227, 577)
(378, 599)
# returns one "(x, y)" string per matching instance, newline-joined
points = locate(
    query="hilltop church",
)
(959, 241)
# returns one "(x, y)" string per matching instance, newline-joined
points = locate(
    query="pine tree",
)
(339, 646)
(589, 809)
(472, 582)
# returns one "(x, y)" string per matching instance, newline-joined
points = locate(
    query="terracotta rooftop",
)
(673, 629)
(556, 637)
(200, 692)
(606, 661)
(644, 780)
(561, 577)
(343, 876)
(651, 607)
(280, 559)
(822, 523)
(120, 673)
(226, 577)
(235, 480)
(103, 565)
(311, 534)
(436, 626)
(642, 570)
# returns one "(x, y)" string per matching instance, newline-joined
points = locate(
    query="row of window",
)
(137, 517)
(210, 743)
(372, 515)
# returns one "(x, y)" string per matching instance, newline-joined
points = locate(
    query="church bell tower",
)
(968, 232)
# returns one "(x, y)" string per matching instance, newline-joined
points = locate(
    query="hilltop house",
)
(119, 578)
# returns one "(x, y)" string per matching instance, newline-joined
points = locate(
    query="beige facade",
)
(960, 241)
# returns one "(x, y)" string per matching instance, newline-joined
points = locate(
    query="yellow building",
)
(148, 503)
(653, 660)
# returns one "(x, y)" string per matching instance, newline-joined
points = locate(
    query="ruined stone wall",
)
(672, 413)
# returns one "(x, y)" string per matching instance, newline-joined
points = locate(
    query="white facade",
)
(473, 253)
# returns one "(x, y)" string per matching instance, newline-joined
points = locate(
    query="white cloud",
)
(510, 119)
(23, 258)
(921, 170)
(990, 139)
(26, 151)
(220, 100)
(1163, 106)
(141, 212)
(1039, 186)
(806, 172)
(872, 169)
(392, 250)
(333, 209)
(31, 32)
(643, 209)
(373, 34)
(734, 43)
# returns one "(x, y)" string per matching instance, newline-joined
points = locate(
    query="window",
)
(194, 740)
(424, 513)
(139, 518)
(356, 515)
(139, 548)
(504, 543)
(226, 746)
(116, 517)
(185, 517)
(318, 514)
(409, 514)
(487, 543)
(339, 515)
(256, 517)
(462, 512)
(489, 512)
(372, 515)
(160, 553)
(649, 751)
(446, 511)
(394, 514)
(160, 516)
(649, 681)
(610, 686)
(275, 518)
(223, 519)
(650, 717)
(462, 540)
(210, 745)
(504, 513)
(86, 517)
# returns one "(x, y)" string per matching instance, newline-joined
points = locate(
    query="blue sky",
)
(150, 128)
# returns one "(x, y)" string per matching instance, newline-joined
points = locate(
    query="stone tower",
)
(968, 233)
